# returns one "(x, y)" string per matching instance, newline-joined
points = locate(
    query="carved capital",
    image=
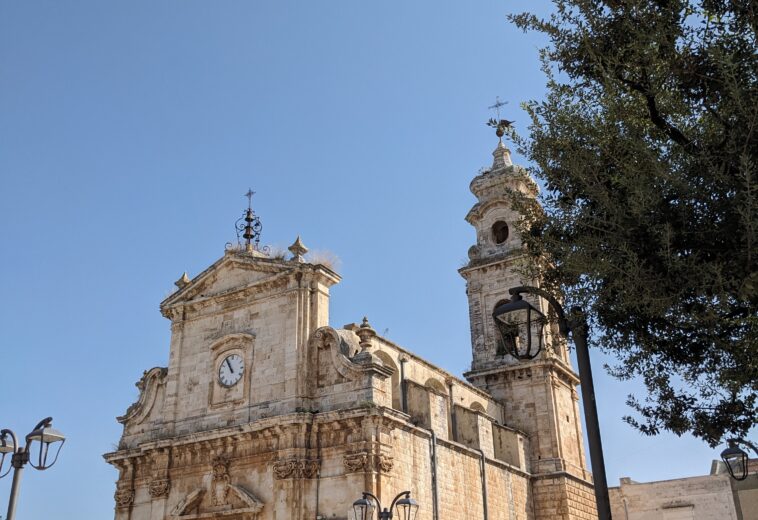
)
(124, 497)
(355, 462)
(159, 488)
(363, 461)
(295, 468)
(384, 463)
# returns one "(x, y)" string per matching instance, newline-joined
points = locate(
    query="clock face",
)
(231, 370)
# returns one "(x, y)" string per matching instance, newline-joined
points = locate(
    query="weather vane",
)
(500, 125)
(249, 225)
(497, 106)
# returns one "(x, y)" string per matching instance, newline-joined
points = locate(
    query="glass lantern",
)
(736, 462)
(520, 326)
(43, 437)
(407, 508)
(363, 509)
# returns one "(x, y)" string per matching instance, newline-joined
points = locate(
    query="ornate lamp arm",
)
(563, 323)
(44, 422)
(9, 433)
(745, 442)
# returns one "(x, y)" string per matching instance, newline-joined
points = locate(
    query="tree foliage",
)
(647, 142)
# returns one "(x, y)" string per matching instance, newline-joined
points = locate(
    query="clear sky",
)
(129, 132)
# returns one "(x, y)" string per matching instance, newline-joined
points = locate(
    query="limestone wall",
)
(424, 373)
(298, 466)
(702, 498)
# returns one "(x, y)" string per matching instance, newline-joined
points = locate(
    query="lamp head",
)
(7, 447)
(520, 326)
(7, 444)
(736, 461)
(46, 436)
(363, 508)
(407, 508)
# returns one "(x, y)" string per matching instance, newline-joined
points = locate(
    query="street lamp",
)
(520, 326)
(406, 507)
(36, 451)
(736, 459)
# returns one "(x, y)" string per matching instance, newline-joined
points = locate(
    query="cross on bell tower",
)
(538, 395)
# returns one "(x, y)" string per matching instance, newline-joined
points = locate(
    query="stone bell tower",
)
(539, 396)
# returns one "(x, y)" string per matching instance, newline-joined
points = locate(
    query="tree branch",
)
(658, 120)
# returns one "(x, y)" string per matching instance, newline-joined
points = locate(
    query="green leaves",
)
(648, 144)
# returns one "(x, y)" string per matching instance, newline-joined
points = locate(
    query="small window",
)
(500, 232)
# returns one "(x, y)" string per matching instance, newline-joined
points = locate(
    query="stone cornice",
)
(283, 268)
(261, 426)
(564, 370)
(563, 474)
(507, 257)
(503, 178)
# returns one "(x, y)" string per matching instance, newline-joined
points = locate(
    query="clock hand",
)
(229, 365)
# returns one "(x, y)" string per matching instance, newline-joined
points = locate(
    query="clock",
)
(231, 370)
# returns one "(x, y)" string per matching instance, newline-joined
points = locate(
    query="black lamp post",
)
(406, 507)
(39, 441)
(736, 459)
(520, 325)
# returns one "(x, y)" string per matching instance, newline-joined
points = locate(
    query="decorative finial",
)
(251, 228)
(365, 333)
(501, 157)
(298, 250)
(183, 281)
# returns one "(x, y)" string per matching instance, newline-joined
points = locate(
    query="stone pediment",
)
(243, 506)
(221, 499)
(233, 272)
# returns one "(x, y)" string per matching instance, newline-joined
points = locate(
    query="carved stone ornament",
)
(295, 468)
(226, 499)
(356, 462)
(362, 461)
(159, 488)
(124, 497)
(385, 463)
(220, 481)
(148, 387)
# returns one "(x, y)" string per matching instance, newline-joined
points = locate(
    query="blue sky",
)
(129, 132)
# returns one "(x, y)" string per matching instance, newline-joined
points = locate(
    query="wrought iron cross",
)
(249, 196)
(497, 106)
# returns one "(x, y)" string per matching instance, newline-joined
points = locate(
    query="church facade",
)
(266, 412)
